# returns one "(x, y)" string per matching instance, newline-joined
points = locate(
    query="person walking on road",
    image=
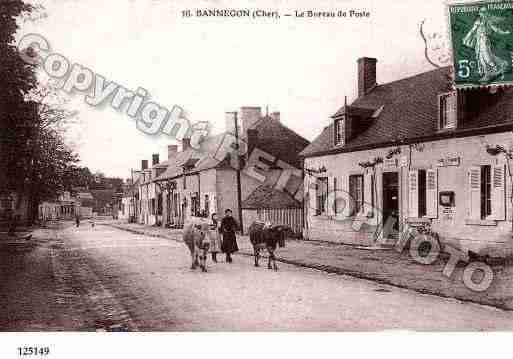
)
(228, 228)
(215, 237)
(77, 221)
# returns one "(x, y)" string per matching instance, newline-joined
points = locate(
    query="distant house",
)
(414, 153)
(128, 207)
(85, 202)
(105, 202)
(65, 207)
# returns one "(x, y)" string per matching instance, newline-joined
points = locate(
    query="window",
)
(322, 194)
(175, 204)
(356, 192)
(423, 193)
(207, 205)
(339, 132)
(448, 104)
(195, 206)
(159, 204)
(486, 191)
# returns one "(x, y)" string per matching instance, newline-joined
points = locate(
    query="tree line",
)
(36, 162)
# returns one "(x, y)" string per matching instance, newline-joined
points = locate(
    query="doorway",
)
(391, 201)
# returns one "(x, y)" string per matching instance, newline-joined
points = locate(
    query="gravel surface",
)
(103, 278)
(383, 266)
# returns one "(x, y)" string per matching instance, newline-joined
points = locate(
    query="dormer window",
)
(448, 111)
(339, 132)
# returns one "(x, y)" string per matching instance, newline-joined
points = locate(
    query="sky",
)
(302, 67)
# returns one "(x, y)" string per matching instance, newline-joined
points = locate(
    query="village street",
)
(102, 278)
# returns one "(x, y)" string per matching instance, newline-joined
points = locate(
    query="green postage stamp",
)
(482, 43)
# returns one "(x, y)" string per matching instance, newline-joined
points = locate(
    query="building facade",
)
(414, 153)
(196, 182)
(66, 207)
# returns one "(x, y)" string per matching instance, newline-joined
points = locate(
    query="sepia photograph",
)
(261, 167)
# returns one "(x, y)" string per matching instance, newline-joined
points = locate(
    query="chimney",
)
(154, 159)
(172, 150)
(249, 116)
(144, 165)
(366, 75)
(229, 122)
(186, 144)
(275, 116)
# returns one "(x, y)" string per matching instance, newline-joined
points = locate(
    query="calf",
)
(196, 239)
(265, 235)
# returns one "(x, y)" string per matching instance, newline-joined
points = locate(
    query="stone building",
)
(413, 152)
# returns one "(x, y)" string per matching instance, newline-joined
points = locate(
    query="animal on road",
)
(266, 235)
(196, 239)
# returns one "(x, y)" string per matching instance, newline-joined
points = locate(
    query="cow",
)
(196, 239)
(266, 235)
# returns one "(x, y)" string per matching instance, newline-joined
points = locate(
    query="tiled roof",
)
(202, 158)
(273, 137)
(410, 111)
(268, 197)
(280, 141)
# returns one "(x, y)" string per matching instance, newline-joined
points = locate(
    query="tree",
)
(76, 176)
(16, 115)
(50, 162)
(34, 156)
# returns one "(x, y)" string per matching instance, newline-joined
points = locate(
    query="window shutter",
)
(432, 193)
(447, 110)
(214, 204)
(498, 193)
(413, 194)
(335, 195)
(346, 205)
(452, 102)
(474, 192)
(329, 197)
(202, 202)
(332, 195)
(312, 195)
(367, 194)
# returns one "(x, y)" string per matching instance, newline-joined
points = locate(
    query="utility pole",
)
(239, 191)
(132, 198)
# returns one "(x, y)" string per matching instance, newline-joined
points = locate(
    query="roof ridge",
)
(280, 124)
(403, 79)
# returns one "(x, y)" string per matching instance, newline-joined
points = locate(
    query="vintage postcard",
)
(262, 166)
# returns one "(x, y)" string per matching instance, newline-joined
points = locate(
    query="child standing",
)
(215, 237)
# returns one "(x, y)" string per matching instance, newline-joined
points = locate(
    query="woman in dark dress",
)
(228, 228)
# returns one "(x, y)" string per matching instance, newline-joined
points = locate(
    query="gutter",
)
(435, 137)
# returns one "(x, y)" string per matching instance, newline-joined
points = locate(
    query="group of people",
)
(222, 236)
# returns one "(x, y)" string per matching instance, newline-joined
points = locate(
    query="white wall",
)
(494, 239)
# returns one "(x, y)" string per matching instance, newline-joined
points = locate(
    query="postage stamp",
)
(482, 43)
